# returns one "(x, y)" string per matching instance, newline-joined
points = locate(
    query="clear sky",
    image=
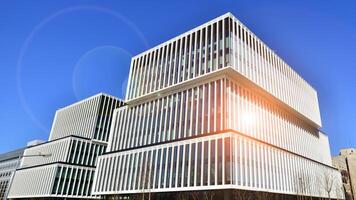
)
(53, 53)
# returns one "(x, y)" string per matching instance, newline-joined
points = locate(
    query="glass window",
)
(139, 174)
(219, 162)
(206, 163)
(143, 172)
(72, 150)
(147, 170)
(81, 185)
(123, 172)
(214, 46)
(163, 120)
(105, 176)
(77, 181)
(194, 111)
(118, 175)
(218, 107)
(149, 110)
(219, 43)
(187, 56)
(174, 168)
(188, 127)
(206, 108)
(77, 151)
(176, 59)
(158, 165)
(197, 53)
(86, 183)
(199, 163)
(163, 170)
(203, 52)
(62, 179)
(56, 180)
(234, 152)
(128, 172)
(154, 115)
(209, 49)
(200, 110)
(178, 121)
(228, 160)
(212, 162)
(182, 59)
(212, 105)
(168, 166)
(243, 162)
(192, 164)
(157, 121)
(180, 166)
(91, 154)
(153, 168)
(184, 101)
(111, 176)
(186, 165)
(134, 171)
(172, 129)
(192, 55)
(81, 156)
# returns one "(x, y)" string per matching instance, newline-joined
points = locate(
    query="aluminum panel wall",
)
(77, 119)
(55, 180)
(71, 150)
(41, 182)
(89, 118)
(57, 151)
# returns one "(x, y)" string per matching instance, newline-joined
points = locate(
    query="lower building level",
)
(213, 194)
(55, 180)
(222, 161)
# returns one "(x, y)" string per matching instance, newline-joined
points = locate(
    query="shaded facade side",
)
(79, 135)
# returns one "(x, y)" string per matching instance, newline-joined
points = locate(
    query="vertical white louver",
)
(214, 108)
(79, 135)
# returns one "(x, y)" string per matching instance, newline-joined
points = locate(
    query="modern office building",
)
(78, 136)
(346, 163)
(8, 163)
(215, 112)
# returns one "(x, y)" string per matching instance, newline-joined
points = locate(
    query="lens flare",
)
(248, 118)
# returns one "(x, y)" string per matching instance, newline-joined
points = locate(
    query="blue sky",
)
(53, 53)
